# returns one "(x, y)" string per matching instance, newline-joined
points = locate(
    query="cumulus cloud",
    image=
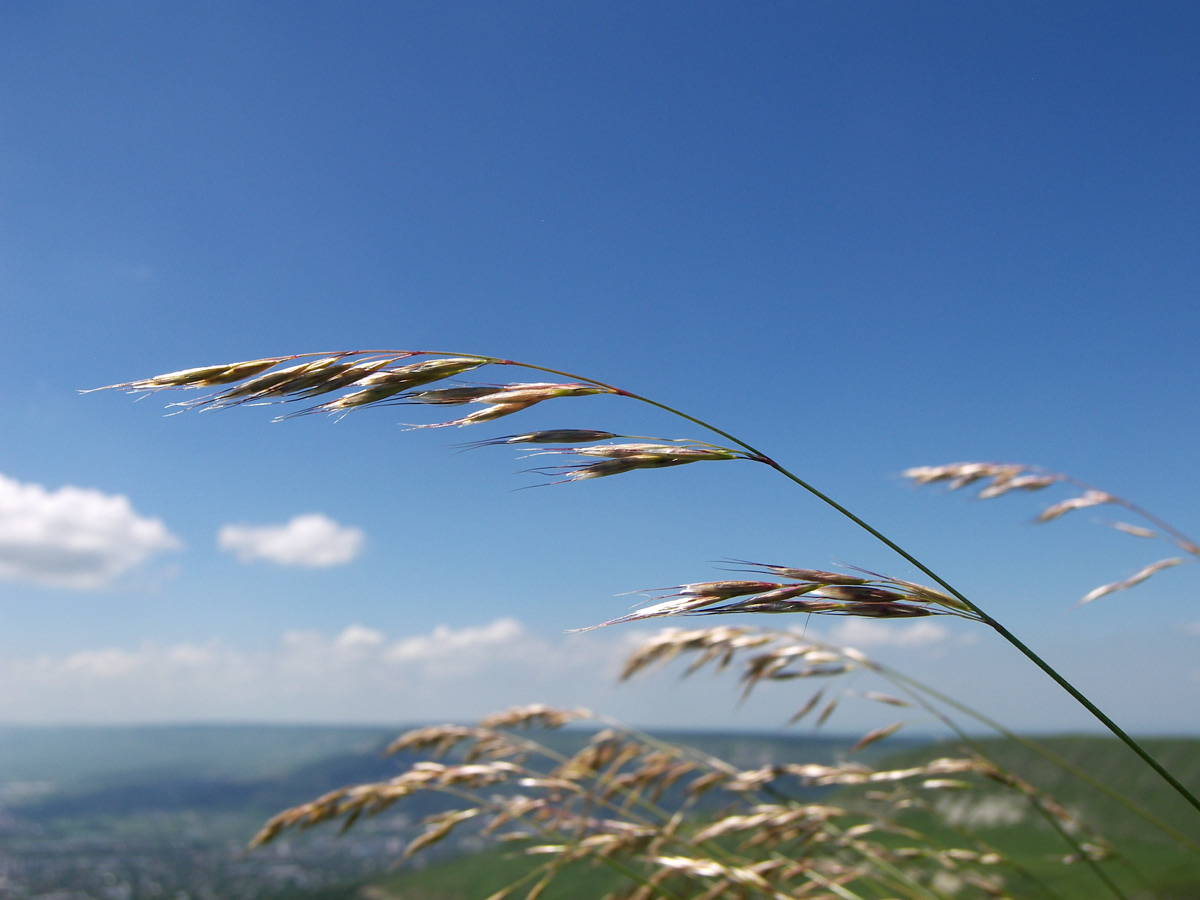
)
(357, 674)
(447, 642)
(73, 537)
(313, 541)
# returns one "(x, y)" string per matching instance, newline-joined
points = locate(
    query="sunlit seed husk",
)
(878, 734)
(815, 575)
(860, 594)
(887, 611)
(1135, 530)
(1087, 499)
(720, 590)
(925, 594)
(535, 393)
(561, 436)
(1132, 580)
(273, 382)
(450, 396)
(652, 452)
(316, 374)
(350, 375)
(203, 376)
(416, 374)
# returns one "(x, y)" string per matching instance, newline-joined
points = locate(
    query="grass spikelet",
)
(559, 436)
(203, 376)
(834, 594)
(827, 712)
(719, 643)
(1083, 501)
(537, 715)
(876, 735)
(612, 801)
(1135, 530)
(1132, 580)
(808, 707)
(884, 698)
(617, 459)
(512, 398)
(438, 827)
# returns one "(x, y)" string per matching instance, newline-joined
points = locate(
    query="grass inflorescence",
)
(634, 804)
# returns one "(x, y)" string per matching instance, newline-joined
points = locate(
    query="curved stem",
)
(1181, 540)
(757, 455)
(1011, 638)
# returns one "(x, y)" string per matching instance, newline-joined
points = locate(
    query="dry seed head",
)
(723, 590)
(878, 734)
(539, 391)
(670, 642)
(560, 436)
(944, 784)
(450, 396)
(437, 827)
(204, 376)
(487, 414)
(257, 387)
(303, 377)
(384, 383)
(336, 380)
(884, 698)
(954, 472)
(651, 451)
(537, 715)
(512, 398)
(1135, 530)
(1022, 483)
(441, 738)
(1004, 477)
(818, 576)
(920, 593)
(860, 594)
(1132, 580)
(1088, 498)
(807, 707)
(416, 374)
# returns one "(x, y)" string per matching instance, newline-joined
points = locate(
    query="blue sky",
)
(862, 237)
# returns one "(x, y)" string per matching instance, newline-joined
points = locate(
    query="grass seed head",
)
(1085, 500)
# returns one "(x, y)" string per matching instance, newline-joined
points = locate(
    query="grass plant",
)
(636, 806)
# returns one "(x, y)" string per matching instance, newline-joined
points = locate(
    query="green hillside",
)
(180, 802)
(82, 756)
(1148, 865)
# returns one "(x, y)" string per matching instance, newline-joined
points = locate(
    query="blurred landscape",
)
(167, 812)
(111, 813)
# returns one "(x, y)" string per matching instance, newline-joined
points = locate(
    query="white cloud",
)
(356, 637)
(73, 537)
(313, 541)
(446, 642)
(357, 674)
(873, 633)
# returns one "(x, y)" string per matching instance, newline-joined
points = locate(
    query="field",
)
(166, 812)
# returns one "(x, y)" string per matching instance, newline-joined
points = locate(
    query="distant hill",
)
(85, 756)
(164, 797)
(257, 769)
(1104, 759)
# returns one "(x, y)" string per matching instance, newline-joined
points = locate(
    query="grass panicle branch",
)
(1003, 478)
(386, 378)
(676, 824)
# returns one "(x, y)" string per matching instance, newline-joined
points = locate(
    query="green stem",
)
(763, 458)
(915, 688)
(888, 542)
